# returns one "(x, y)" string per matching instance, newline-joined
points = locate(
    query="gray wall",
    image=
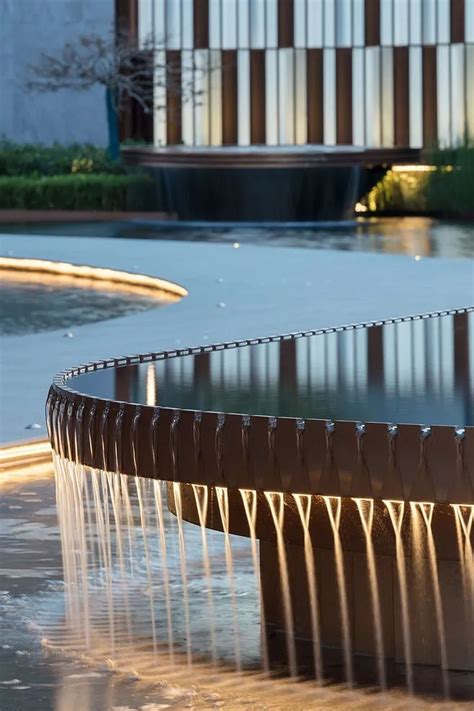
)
(28, 27)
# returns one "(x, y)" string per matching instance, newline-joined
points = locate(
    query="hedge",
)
(77, 192)
(450, 190)
(38, 160)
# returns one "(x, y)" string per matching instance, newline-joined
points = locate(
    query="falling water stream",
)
(396, 510)
(426, 511)
(333, 506)
(366, 512)
(184, 573)
(123, 554)
(276, 503)
(249, 499)
(303, 504)
(223, 503)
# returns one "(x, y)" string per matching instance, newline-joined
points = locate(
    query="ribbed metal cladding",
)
(282, 49)
(287, 454)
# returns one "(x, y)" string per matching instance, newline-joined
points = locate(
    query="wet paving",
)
(44, 668)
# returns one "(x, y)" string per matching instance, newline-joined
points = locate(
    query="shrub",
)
(77, 192)
(450, 189)
(39, 160)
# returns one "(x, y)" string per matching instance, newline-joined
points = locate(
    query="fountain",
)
(344, 455)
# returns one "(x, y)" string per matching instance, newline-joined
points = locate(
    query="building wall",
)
(28, 27)
(350, 72)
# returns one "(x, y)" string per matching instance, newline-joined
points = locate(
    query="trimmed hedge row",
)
(38, 160)
(450, 190)
(77, 192)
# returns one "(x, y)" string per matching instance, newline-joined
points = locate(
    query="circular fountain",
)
(346, 453)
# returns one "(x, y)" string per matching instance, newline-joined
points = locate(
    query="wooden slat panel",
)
(401, 96)
(126, 17)
(173, 98)
(201, 24)
(229, 97)
(314, 88)
(257, 96)
(372, 22)
(343, 96)
(286, 12)
(430, 97)
(457, 21)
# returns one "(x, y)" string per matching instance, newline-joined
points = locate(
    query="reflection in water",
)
(419, 371)
(400, 235)
(36, 307)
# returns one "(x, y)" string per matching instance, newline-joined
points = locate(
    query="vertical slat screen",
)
(362, 72)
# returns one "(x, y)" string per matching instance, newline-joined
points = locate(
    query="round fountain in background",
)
(346, 455)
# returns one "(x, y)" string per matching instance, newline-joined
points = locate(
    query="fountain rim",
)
(365, 440)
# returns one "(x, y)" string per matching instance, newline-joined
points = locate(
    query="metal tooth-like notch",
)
(425, 432)
(272, 425)
(245, 427)
(300, 430)
(174, 443)
(330, 426)
(154, 425)
(69, 411)
(79, 432)
(197, 434)
(392, 431)
(219, 444)
(118, 426)
(134, 433)
(360, 429)
(104, 435)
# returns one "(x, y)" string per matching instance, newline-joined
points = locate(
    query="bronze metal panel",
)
(261, 472)
(285, 23)
(188, 471)
(257, 96)
(201, 24)
(286, 455)
(430, 97)
(372, 22)
(315, 98)
(314, 451)
(236, 460)
(442, 461)
(229, 97)
(458, 21)
(173, 98)
(401, 96)
(344, 95)
(344, 440)
(209, 466)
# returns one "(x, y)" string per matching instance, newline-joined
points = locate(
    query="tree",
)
(126, 68)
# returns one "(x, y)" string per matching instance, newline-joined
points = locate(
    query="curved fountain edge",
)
(380, 460)
(101, 275)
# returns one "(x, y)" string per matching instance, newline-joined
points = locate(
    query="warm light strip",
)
(25, 450)
(413, 168)
(98, 275)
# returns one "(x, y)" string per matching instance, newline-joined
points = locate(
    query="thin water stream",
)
(107, 613)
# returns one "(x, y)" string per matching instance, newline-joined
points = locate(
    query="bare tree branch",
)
(127, 68)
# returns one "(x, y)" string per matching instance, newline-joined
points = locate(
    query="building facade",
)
(372, 73)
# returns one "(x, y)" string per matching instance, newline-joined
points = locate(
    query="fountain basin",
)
(348, 453)
(196, 423)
